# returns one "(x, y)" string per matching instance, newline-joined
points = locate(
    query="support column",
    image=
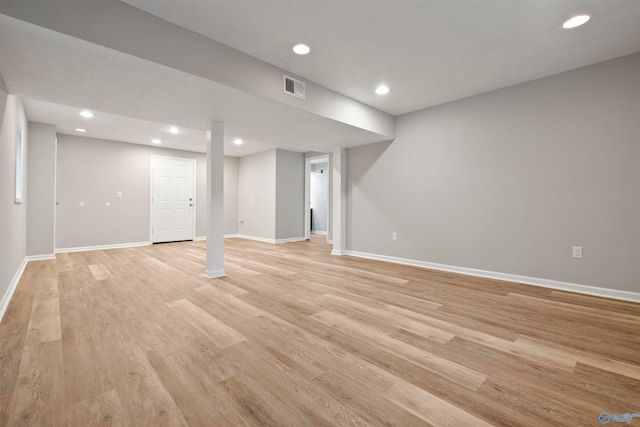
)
(339, 201)
(215, 201)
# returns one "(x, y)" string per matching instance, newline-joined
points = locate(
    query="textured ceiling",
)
(64, 71)
(114, 127)
(428, 51)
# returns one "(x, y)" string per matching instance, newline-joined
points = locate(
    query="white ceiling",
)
(428, 51)
(114, 127)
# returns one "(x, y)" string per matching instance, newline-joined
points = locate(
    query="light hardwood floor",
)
(296, 337)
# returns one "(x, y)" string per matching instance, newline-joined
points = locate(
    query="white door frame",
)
(307, 193)
(151, 180)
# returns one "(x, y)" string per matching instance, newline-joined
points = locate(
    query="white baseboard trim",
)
(102, 247)
(545, 283)
(340, 253)
(214, 274)
(6, 298)
(264, 239)
(226, 236)
(41, 257)
(257, 239)
(318, 232)
(291, 240)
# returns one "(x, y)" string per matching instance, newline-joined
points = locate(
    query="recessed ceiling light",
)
(86, 114)
(174, 130)
(237, 141)
(576, 21)
(80, 130)
(156, 141)
(382, 90)
(301, 49)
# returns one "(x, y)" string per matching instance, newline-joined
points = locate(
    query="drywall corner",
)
(289, 195)
(13, 227)
(257, 195)
(231, 170)
(42, 189)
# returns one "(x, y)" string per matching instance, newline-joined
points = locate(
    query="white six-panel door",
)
(172, 199)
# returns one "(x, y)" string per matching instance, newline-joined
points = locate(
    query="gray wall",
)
(289, 195)
(510, 180)
(257, 195)
(13, 217)
(93, 170)
(271, 195)
(319, 196)
(42, 189)
(231, 170)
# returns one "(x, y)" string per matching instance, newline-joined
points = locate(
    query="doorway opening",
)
(318, 196)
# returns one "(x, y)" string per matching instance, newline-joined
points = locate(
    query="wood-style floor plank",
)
(450, 370)
(430, 408)
(101, 410)
(220, 334)
(12, 340)
(293, 336)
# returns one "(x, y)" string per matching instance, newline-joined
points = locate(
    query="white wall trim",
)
(291, 240)
(256, 238)
(263, 239)
(545, 283)
(340, 253)
(6, 298)
(102, 247)
(41, 257)
(318, 232)
(214, 274)
(226, 236)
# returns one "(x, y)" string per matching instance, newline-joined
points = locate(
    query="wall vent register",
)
(294, 87)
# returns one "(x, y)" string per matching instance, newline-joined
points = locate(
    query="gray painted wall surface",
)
(231, 169)
(257, 195)
(13, 217)
(319, 196)
(93, 171)
(42, 189)
(289, 195)
(510, 180)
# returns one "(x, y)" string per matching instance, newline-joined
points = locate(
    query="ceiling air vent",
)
(293, 87)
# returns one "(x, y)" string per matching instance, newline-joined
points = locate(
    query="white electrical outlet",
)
(577, 252)
(119, 194)
(394, 236)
